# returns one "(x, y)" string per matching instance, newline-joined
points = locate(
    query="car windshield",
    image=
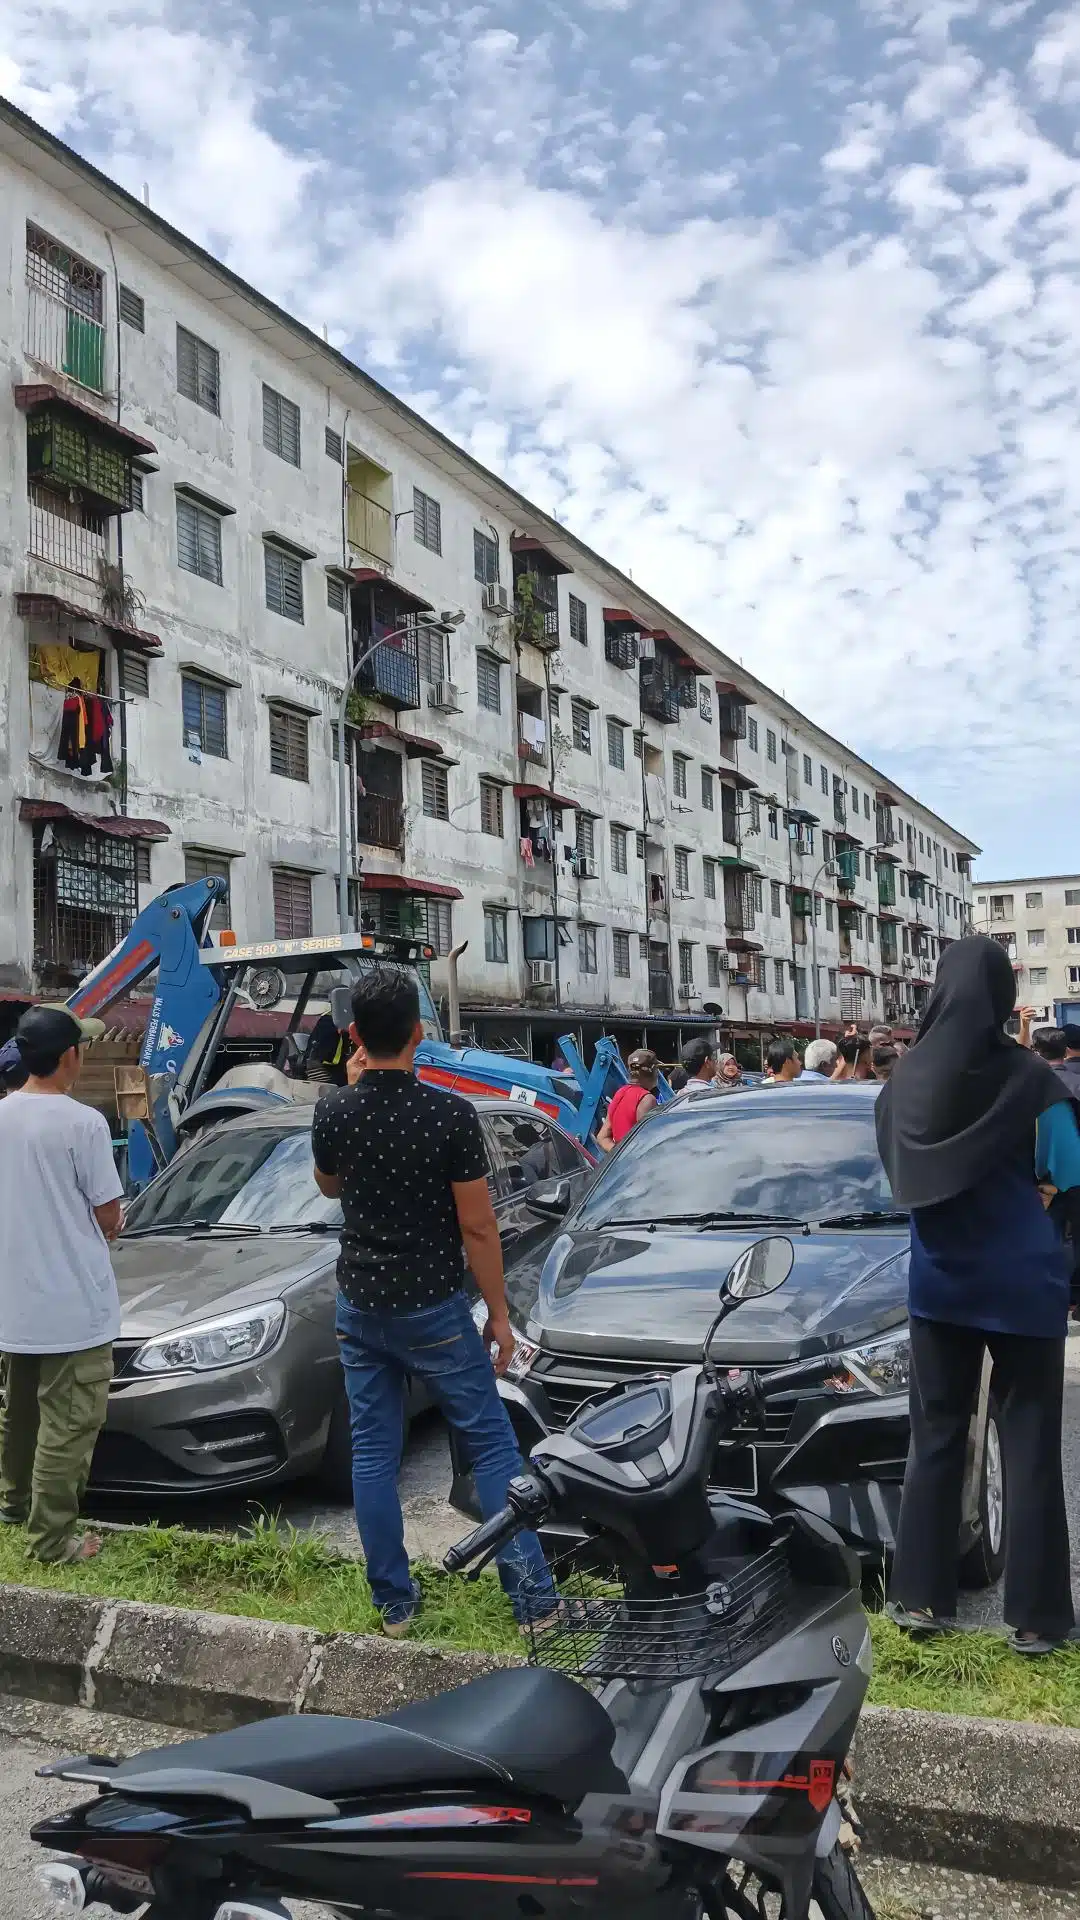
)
(797, 1166)
(262, 1176)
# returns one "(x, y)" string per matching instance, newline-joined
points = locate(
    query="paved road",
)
(432, 1525)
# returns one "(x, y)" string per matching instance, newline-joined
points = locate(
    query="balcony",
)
(620, 647)
(847, 868)
(69, 537)
(61, 336)
(392, 674)
(380, 821)
(532, 740)
(660, 700)
(370, 526)
(886, 884)
(536, 605)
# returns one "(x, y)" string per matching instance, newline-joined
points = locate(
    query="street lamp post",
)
(444, 626)
(829, 867)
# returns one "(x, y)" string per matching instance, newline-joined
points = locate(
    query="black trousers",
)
(946, 1367)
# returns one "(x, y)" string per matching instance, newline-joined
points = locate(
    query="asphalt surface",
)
(431, 1525)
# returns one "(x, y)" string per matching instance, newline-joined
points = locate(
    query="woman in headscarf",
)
(965, 1123)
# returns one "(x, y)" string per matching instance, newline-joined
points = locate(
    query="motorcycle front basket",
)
(597, 1633)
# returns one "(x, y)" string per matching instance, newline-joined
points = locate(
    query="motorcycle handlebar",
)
(808, 1373)
(495, 1533)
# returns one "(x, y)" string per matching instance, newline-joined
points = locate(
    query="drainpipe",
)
(554, 846)
(457, 1037)
(119, 651)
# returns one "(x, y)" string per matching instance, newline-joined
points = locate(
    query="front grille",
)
(570, 1384)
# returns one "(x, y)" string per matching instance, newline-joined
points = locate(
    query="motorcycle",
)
(672, 1750)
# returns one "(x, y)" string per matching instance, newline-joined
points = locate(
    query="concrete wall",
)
(1039, 914)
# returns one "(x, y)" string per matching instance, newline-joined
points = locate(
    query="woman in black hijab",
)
(963, 1124)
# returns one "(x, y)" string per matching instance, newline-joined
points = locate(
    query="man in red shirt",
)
(632, 1103)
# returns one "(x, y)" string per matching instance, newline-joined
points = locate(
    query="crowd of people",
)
(980, 1141)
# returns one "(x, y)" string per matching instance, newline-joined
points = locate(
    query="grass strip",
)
(272, 1572)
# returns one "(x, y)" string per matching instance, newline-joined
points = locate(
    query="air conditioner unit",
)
(725, 960)
(585, 869)
(687, 992)
(444, 695)
(496, 599)
(542, 973)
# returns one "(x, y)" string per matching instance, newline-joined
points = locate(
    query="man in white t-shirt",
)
(59, 1308)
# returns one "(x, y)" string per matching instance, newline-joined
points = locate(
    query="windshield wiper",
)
(190, 1226)
(307, 1226)
(883, 1218)
(703, 1220)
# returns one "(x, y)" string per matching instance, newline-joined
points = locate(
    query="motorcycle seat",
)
(525, 1727)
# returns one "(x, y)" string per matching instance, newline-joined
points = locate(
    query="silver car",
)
(227, 1373)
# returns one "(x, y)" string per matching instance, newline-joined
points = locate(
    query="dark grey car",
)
(227, 1373)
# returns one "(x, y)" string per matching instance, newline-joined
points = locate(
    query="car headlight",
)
(225, 1342)
(525, 1351)
(881, 1366)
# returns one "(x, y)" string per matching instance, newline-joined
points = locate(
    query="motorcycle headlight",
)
(224, 1342)
(525, 1351)
(881, 1366)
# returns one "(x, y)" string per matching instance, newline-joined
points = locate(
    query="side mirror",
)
(551, 1202)
(341, 1008)
(760, 1270)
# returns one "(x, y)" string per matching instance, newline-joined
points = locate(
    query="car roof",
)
(300, 1114)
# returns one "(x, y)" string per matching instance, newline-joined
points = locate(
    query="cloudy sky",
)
(775, 304)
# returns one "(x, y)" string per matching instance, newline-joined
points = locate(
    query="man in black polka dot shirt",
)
(409, 1165)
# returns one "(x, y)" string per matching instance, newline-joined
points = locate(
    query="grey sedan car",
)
(226, 1371)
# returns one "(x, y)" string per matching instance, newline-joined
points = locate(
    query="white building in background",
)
(206, 514)
(1037, 921)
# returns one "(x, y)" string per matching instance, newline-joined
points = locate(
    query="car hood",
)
(626, 1292)
(170, 1280)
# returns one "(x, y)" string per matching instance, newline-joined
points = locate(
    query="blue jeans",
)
(441, 1347)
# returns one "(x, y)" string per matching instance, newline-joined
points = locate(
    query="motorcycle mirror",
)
(759, 1270)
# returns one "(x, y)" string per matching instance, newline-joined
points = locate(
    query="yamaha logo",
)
(842, 1651)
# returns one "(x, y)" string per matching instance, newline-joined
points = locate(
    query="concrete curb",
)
(988, 1796)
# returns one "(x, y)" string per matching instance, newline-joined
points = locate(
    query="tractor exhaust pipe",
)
(457, 1038)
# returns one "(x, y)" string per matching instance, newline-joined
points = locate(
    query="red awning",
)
(744, 781)
(618, 617)
(863, 972)
(738, 943)
(399, 883)
(46, 606)
(29, 398)
(120, 825)
(541, 793)
(414, 746)
(526, 543)
(886, 799)
(731, 692)
(370, 576)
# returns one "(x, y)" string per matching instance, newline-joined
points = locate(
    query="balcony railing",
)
(61, 337)
(392, 674)
(65, 543)
(532, 741)
(380, 821)
(370, 527)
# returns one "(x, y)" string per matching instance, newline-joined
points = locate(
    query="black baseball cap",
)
(44, 1033)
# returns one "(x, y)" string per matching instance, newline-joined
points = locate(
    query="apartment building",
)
(1037, 921)
(213, 523)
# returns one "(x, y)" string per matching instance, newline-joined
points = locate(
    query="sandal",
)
(1036, 1646)
(918, 1621)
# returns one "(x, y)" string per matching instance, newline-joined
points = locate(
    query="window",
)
(485, 558)
(870, 928)
(779, 976)
(855, 801)
(586, 949)
(869, 866)
(618, 850)
(289, 743)
(679, 764)
(1072, 934)
(639, 746)
(281, 426)
(579, 620)
(136, 675)
(770, 745)
(198, 540)
(1072, 897)
(620, 955)
(138, 504)
(639, 845)
(866, 804)
(713, 968)
(495, 944)
(755, 814)
(616, 744)
(132, 309)
(1036, 937)
(427, 521)
(704, 701)
(435, 790)
(203, 707)
(488, 682)
(1037, 976)
(284, 582)
(142, 863)
(198, 370)
(774, 824)
(581, 722)
(759, 894)
(807, 770)
(1033, 900)
(708, 875)
(585, 836)
(332, 443)
(491, 808)
(1074, 976)
(686, 963)
(824, 771)
(211, 866)
(828, 916)
(708, 790)
(292, 905)
(682, 870)
(440, 925)
(774, 899)
(832, 983)
(752, 735)
(335, 593)
(922, 845)
(1001, 906)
